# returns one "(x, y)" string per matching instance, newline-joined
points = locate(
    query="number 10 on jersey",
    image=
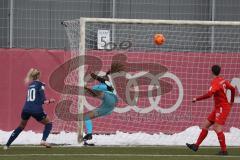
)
(31, 95)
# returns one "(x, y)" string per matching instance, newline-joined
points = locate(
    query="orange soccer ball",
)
(159, 39)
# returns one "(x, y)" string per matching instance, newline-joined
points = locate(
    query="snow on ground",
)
(189, 135)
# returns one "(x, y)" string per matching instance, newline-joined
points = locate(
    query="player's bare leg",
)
(15, 133)
(47, 130)
(207, 124)
(221, 138)
(23, 124)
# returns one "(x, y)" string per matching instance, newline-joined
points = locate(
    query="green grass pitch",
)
(115, 153)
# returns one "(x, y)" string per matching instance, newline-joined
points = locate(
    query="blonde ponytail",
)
(33, 74)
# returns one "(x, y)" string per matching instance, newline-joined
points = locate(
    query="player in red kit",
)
(218, 116)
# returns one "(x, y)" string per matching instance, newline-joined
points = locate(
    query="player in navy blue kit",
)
(33, 108)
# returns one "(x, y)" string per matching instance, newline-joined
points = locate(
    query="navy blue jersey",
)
(35, 97)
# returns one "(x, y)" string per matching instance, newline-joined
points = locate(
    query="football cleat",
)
(5, 147)
(85, 143)
(45, 144)
(87, 137)
(193, 147)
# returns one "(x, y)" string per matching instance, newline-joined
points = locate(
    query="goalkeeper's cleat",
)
(5, 147)
(45, 144)
(85, 143)
(193, 147)
(87, 137)
(222, 153)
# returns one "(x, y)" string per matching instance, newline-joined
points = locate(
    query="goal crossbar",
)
(156, 21)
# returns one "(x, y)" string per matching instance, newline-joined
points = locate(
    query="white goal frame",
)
(82, 27)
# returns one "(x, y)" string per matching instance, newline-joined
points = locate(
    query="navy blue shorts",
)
(37, 116)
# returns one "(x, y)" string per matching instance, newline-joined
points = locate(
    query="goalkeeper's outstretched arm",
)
(98, 78)
(115, 67)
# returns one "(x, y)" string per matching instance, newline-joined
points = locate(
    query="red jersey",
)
(218, 88)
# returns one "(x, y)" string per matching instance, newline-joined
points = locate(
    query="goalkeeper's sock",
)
(221, 139)
(202, 136)
(46, 131)
(14, 135)
(89, 126)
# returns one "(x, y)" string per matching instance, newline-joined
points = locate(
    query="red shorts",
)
(219, 115)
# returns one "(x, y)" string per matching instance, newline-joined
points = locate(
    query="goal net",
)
(159, 81)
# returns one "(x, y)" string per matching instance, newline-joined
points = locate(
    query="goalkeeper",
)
(103, 91)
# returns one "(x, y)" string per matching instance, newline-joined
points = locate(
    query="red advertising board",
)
(160, 86)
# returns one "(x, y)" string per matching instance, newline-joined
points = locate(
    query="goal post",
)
(155, 92)
(81, 80)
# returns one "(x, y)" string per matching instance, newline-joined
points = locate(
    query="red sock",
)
(202, 136)
(221, 139)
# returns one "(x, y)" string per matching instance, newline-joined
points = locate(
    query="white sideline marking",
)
(118, 155)
(115, 146)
